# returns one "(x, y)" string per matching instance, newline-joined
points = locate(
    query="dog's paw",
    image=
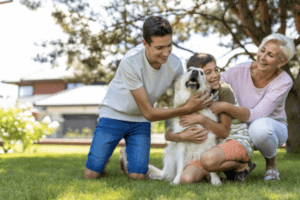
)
(216, 182)
(175, 183)
(215, 179)
(154, 177)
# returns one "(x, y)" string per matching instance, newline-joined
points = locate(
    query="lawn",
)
(56, 172)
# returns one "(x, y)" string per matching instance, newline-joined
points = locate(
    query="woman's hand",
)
(194, 134)
(218, 107)
(191, 119)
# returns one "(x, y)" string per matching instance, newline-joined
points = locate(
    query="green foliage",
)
(158, 127)
(85, 133)
(97, 31)
(18, 124)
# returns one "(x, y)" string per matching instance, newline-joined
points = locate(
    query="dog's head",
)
(191, 82)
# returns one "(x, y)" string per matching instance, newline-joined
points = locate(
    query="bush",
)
(158, 127)
(18, 124)
(85, 133)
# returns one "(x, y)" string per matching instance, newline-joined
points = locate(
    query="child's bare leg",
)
(214, 160)
(192, 174)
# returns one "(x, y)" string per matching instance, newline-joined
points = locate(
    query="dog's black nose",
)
(195, 72)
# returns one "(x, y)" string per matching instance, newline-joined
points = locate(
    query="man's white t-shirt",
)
(134, 72)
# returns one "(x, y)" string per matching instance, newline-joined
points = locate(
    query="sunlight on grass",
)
(156, 150)
(53, 149)
(56, 172)
(279, 194)
(63, 149)
(73, 192)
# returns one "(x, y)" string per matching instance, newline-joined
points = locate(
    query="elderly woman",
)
(261, 89)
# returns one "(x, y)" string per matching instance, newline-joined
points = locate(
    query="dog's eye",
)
(201, 73)
(189, 70)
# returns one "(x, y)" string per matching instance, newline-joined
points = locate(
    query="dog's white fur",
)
(178, 154)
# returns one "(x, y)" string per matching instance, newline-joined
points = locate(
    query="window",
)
(25, 91)
(73, 85)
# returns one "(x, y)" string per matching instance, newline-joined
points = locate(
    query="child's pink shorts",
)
(233, 151)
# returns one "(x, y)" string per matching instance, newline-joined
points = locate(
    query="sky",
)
(21, 28)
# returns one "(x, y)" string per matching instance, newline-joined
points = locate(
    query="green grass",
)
(56, 172)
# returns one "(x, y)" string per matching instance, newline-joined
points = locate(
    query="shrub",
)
(158, 127)
(18, 124)
(85, 133)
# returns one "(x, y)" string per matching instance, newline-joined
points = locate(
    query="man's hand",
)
(194, 134)
(198, 102)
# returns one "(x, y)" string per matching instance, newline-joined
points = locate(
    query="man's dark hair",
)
(200, 60)
(156, 26)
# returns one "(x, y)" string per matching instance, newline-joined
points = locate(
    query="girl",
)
(233, 155)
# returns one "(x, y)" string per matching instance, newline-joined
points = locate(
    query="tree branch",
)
(282, 16)
(224, 22)
(3, 2)
(296, 15)
(244, 14)
(265, 17)
(176, 45)
(255, 7)
(247, 20)
(235, 56)
(233, 35)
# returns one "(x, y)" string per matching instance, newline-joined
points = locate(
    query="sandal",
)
(241, 176)
(271, 174)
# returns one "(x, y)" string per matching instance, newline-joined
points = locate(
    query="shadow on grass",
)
(40, 176)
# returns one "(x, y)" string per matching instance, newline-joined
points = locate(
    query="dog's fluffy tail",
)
(154, 173)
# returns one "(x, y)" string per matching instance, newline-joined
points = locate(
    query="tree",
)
(8, 1)
(119, 23)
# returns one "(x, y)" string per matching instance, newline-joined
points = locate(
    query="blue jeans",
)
(107, 136)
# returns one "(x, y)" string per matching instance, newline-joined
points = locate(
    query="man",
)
(144, 74)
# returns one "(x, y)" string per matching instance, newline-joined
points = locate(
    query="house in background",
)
(72, 104)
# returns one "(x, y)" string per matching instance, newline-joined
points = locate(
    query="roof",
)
(44, 74)
(83, 95)
(33, 98)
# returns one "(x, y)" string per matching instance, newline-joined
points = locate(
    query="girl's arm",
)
(221, 129)
(238, 112)
(191, 134)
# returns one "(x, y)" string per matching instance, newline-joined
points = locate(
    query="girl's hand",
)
(191, 119)
(194, 134)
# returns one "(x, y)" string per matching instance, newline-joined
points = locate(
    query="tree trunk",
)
(292, 108)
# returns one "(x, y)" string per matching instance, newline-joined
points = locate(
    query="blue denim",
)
(107, 136)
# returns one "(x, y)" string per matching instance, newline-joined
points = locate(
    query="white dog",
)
(178, 154)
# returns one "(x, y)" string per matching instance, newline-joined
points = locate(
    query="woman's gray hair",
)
(286, 44)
